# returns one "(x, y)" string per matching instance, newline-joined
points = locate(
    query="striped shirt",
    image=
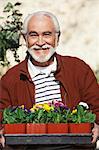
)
(47, 88)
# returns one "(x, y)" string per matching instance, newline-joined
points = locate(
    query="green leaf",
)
(8, 7)
(10, 32)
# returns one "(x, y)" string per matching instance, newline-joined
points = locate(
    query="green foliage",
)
(15, 115)
(58, 116)
(82, 115)
(47, 113)
(56, 112)
(10, 32)
(39, 116)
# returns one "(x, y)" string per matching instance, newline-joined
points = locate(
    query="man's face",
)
(41, 38)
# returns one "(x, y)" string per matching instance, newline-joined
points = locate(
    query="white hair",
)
(54, 19)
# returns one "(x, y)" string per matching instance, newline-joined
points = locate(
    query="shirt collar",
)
(35, 70)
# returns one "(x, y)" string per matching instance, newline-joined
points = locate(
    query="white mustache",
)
(36, 47)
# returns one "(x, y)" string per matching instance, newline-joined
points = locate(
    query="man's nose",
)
(40, 40)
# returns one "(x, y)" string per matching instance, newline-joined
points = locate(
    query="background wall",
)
(79, 21)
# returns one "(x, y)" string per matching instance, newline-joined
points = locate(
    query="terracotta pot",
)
(14, 128)
(79, 127)
(57, 128)
(36, 128)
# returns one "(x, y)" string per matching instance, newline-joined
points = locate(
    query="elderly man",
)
(44, 75)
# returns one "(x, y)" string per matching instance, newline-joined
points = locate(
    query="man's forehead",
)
(40, 18)
(41, 21)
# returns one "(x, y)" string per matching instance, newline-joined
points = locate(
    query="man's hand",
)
(2, 139)
(95, 132)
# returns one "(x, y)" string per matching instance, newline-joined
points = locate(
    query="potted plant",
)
(58, 118)
(38, 118)
(81, 120)
(53, 116)
(14, 119)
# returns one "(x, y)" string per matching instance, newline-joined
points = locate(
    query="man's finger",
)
(94, 140)
(2, 141)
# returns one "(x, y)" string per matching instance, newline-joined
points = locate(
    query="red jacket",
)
(77, 80)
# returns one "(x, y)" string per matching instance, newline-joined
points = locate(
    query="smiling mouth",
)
(41, 48)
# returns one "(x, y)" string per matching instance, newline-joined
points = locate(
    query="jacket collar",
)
(24, 67)
(35, 70)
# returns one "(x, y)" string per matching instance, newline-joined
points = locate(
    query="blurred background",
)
(79, 22)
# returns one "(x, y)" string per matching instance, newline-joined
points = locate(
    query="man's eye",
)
(47, 34)
(33, 35)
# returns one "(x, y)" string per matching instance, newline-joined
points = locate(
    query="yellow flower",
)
(74, 111)
(39, 105)
(22, 106)
(36, 107)
(32, 109)
(46, 107)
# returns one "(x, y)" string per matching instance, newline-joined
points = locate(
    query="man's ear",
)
(56, 41)
(57, 38)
